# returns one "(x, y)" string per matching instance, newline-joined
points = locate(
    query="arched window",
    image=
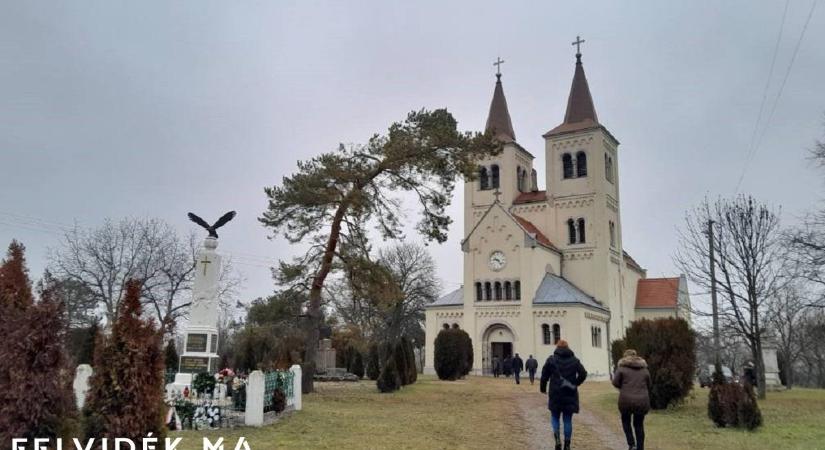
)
(610, 166)
(612, 234)
(606, 167)
(517, 287)
(488, 291)
(508, 290)
(567, 165)
(571, 231)
(494, 176)
(498, 290)
(446, 326)
(581, 164)
(545, 332)
(483, 178)
(519, 184)
(534, 180)
(582, 238)
(455, 326)
(556, 333)
(479, 292)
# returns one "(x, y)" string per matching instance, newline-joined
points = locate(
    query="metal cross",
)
(498, 64)
(205, 262)
(578, 43)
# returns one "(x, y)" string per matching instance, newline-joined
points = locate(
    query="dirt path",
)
(589, 432)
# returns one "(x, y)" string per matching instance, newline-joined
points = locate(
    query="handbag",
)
(564, 383)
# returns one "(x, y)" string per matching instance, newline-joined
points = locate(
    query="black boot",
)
(558, 441)
(567, 444)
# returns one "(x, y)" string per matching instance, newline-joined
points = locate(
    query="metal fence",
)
(277, 380)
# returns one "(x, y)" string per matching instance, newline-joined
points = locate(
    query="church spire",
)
(580, 103)
(498, 121)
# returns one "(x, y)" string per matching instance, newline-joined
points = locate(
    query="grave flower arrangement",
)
(206, 416)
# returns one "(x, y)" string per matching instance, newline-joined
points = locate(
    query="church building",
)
(542, 265)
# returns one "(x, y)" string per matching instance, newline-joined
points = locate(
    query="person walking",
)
(531, 365)
(561, 376)
(633, 381)
(507, 366)
(496, 367)
(518, 366)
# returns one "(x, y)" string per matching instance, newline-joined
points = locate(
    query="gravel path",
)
(589, 432)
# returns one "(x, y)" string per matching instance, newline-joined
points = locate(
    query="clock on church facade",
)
(545, 264)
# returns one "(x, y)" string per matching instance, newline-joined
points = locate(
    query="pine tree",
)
(36, 399)
(373, 364)
(125, 397)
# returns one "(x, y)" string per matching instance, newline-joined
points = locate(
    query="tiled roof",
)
(530, 197)
(454, 298)
(556, 290)
(580, 114)
(657, 293)
(530, 228)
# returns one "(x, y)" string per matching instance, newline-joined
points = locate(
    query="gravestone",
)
(772, 381)
(200, 343)
(325, 358)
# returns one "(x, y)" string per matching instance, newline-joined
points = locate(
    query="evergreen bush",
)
(617, 349)
(36, 398)
(389, 381)
(171, 356)
(411, 366)
(358, 365)
(204, 383)
(669, 346)
(733, 405)
(450, 355)
(278, 400)
(373, 365)
(466, 351)
(125, 398)
(401, 359)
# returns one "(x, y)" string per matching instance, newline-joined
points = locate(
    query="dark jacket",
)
(531, 364)
(518, 364)
(507, 366)
(633, 380)
(563, 363)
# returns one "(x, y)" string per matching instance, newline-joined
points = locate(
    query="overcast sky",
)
(156, 108)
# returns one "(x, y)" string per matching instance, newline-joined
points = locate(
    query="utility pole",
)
(716, 357)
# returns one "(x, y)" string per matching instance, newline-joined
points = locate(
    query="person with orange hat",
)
(564, 373)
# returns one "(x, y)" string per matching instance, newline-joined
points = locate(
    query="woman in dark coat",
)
(564, 373)
(633, 381)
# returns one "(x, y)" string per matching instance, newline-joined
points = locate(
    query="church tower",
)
(582, 180)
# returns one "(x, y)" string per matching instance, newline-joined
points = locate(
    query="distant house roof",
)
(556, 290)
(535, 232)
(454, 298)
(657, 293)
(530, 197)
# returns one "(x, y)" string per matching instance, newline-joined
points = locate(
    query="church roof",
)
(632, 263)
(498, 120)
(530, 197)
(535, 232)
(657, 293)
(556, 290)
(454, 298)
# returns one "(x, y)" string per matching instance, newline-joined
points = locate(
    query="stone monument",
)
(200, 344)
(772, 381)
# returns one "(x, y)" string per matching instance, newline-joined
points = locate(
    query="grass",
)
(793, 419)
(430, 414)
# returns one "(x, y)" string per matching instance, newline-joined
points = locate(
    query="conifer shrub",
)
(669, 346)
(401, 359)
(357, 365)
(412, 377)
(36, 398)
(389, 380)
(125, 398)
(453, 354)
(170, 356)
(733, 405)
(204, 383)
(278, 400)
(617, 349)
(373, 364)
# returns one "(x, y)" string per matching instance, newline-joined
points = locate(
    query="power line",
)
(778, 96)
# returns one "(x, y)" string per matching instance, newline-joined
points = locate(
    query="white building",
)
(540, 265)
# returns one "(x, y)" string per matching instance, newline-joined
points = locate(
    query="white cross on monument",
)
(498, 64)
(578, 43)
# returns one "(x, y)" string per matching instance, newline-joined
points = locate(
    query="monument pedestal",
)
(201, 337)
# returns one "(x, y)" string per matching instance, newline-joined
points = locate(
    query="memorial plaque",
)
(194, 364)
(196, 343)
(213, 347)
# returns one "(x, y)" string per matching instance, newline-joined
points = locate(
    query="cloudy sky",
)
(112, 109)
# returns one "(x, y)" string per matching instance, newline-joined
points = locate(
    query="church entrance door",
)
(501, 350)
(498, 342)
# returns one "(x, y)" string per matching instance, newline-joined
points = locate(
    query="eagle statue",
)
(211, 228)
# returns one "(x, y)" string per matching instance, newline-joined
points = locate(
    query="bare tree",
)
(787, 313)
(750, 261)
(811, 371)
(102, 259)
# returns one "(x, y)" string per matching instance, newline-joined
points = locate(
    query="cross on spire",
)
(498, 64)
(579, 41)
